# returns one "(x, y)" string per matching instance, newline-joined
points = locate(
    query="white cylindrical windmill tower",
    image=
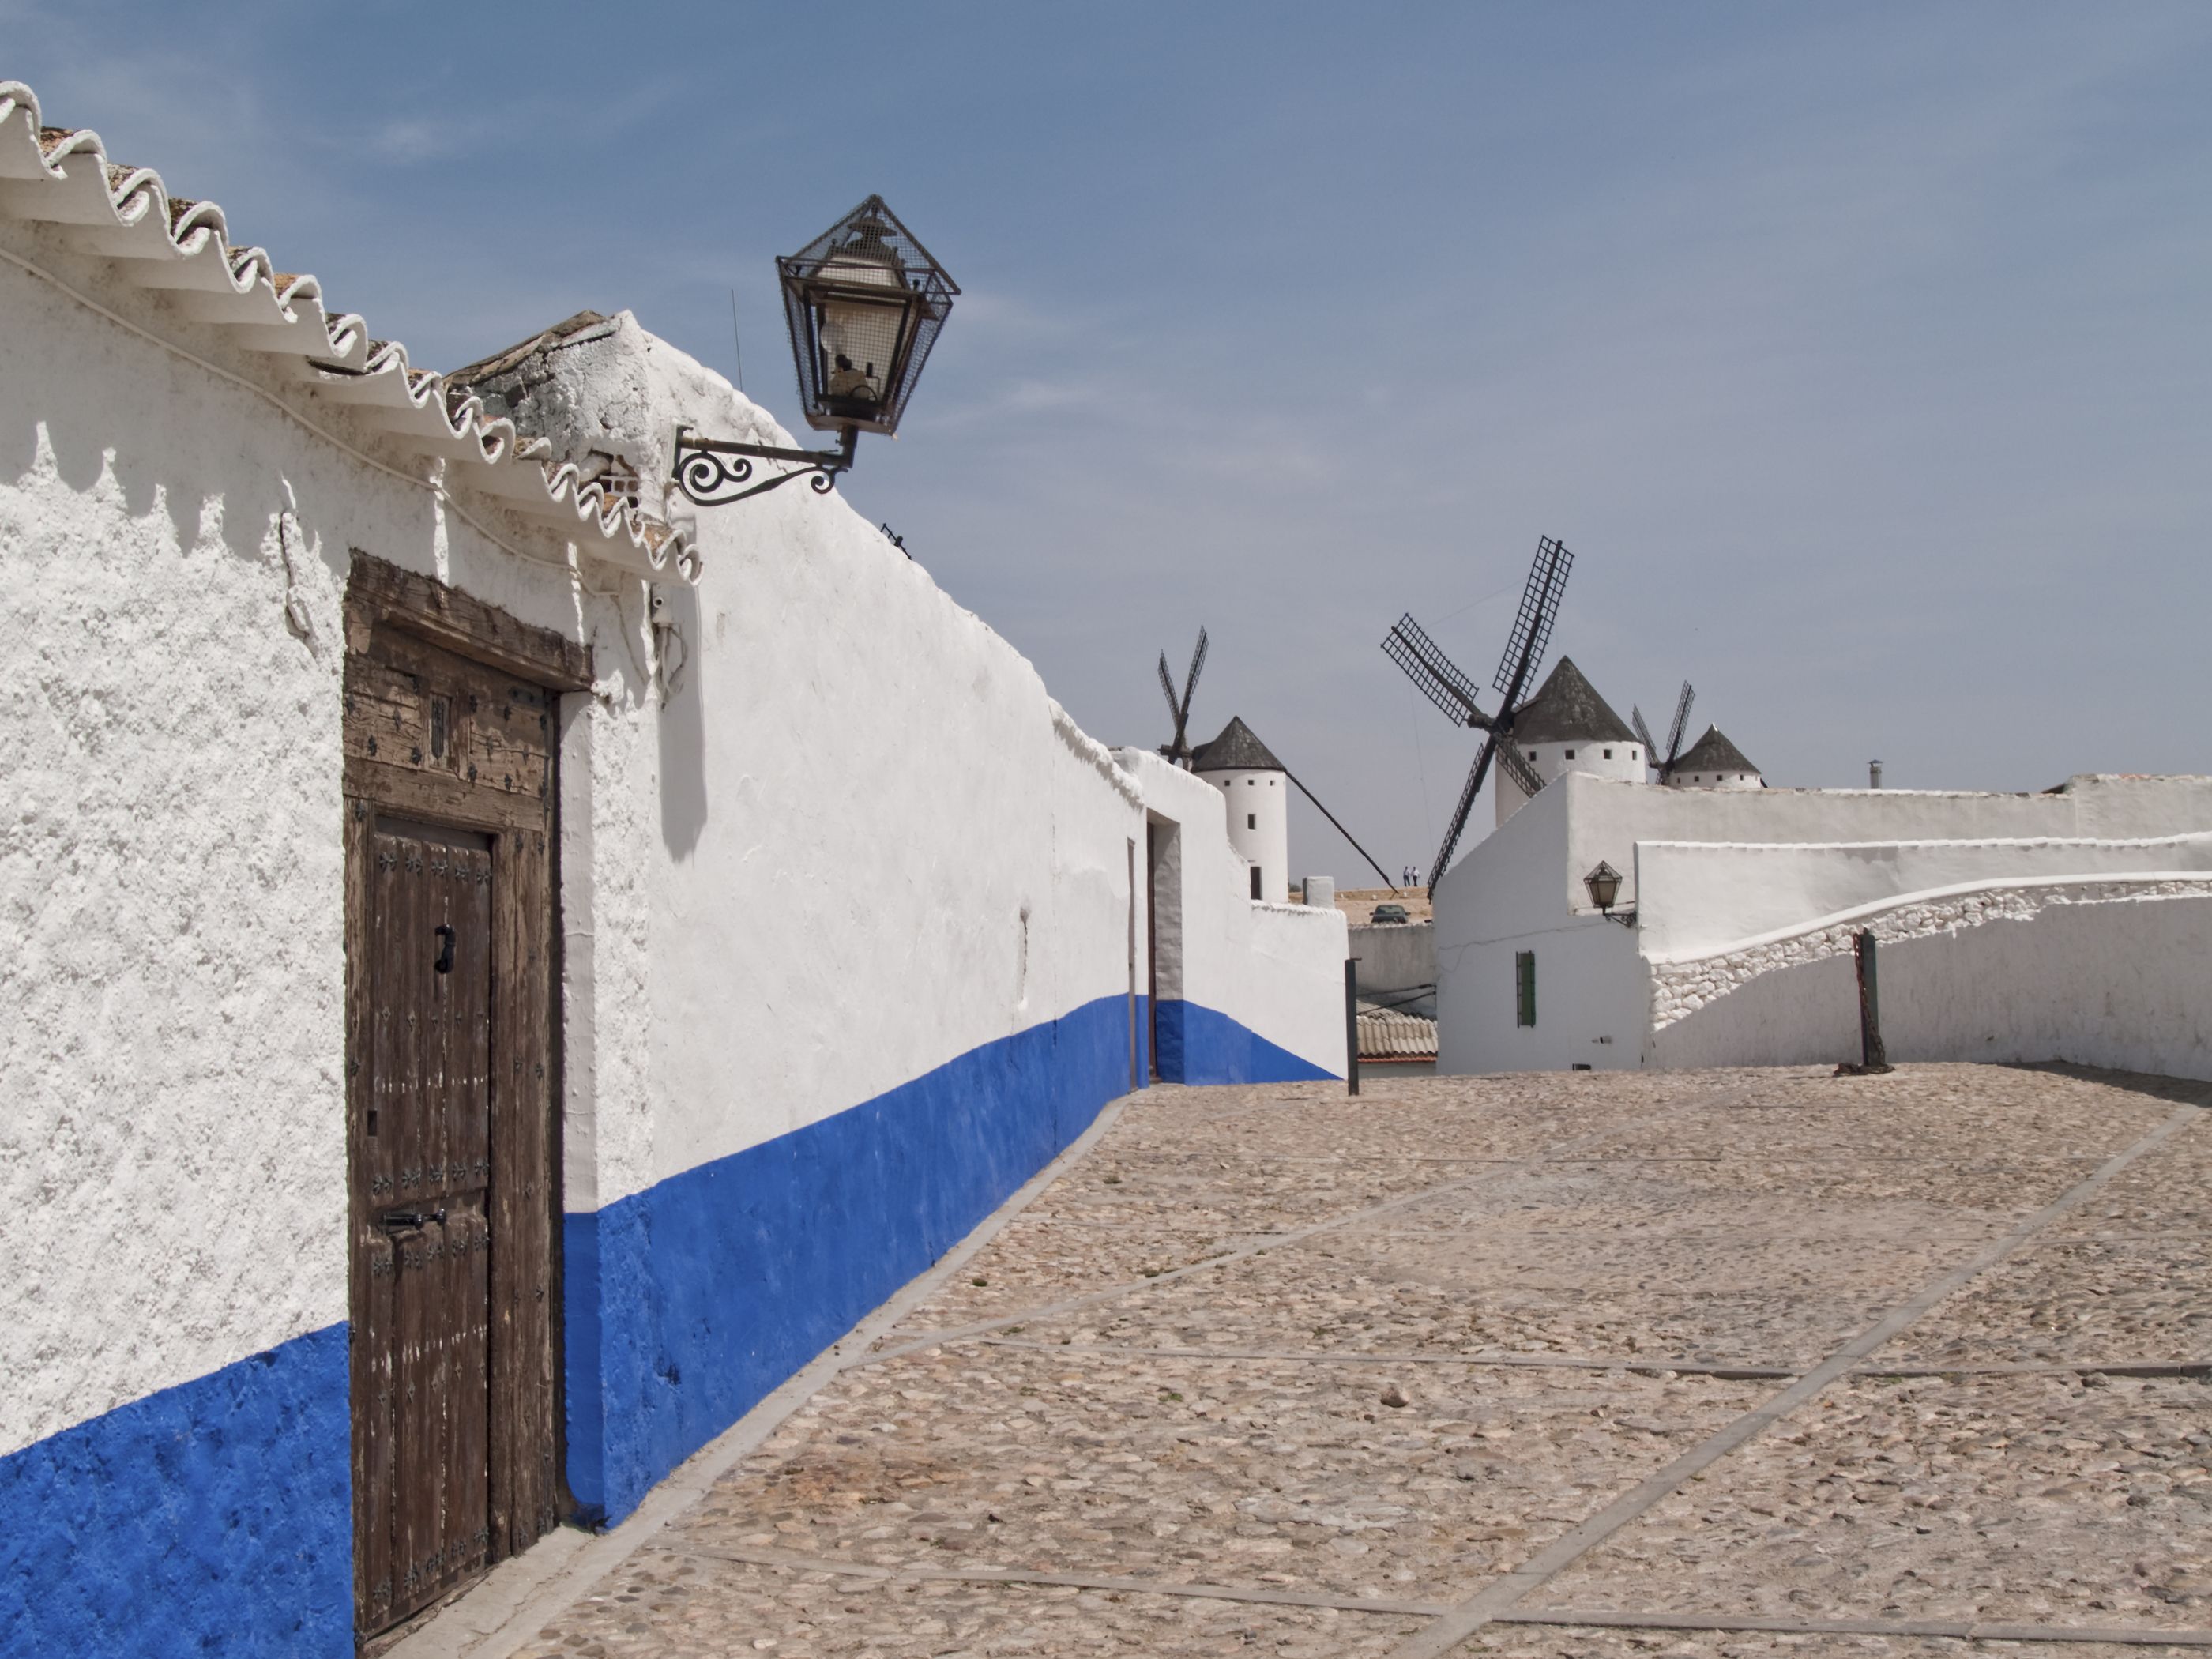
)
(1257, 789)
(1567, 728)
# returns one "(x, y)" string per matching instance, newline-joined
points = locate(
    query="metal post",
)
(1872, 1058)
(1352, 1025)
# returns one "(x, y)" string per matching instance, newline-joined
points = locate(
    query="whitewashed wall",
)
(171, 1040)
(1276, 971)
(846, 904)
(1510, 894)
(855, 793)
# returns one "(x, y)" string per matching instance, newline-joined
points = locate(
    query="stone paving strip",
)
(1503, 1593)
(2052, 1500)
(1691, 1364)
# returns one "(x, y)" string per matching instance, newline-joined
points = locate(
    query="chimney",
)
(1874, 774)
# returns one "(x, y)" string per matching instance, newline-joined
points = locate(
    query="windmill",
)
(1178, 749)
(1444, 685)
(1674, 733)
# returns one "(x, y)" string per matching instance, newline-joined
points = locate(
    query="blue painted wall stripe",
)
(1198, 1045)
(215, 1517)
(710, 1288)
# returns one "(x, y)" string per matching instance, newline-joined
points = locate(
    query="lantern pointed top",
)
(872, 224)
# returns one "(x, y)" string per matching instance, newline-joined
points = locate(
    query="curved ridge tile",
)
(181, 244)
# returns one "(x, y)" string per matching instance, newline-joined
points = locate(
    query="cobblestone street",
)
(1714, 1362)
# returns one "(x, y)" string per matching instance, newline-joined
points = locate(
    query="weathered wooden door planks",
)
(449, 767)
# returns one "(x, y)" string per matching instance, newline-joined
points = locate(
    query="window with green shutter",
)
(1524, 988)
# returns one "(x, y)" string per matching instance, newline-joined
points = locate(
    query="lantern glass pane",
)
(860, 342)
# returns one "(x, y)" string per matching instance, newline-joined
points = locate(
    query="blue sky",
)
(1861, 353)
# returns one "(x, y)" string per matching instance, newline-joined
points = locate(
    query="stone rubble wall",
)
(1681, 988)
(2112, 972)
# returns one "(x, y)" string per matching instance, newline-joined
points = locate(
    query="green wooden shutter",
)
(1524, 988)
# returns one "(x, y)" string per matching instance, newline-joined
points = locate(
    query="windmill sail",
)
(1680, 726)
(1178, 749)
(1190, 681)
(1525, 778)
(1532, 623)
(1524, 650)
(1459, 813)
(1437, 676)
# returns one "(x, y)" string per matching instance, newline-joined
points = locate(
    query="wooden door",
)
(423, 1236)
(449, 769)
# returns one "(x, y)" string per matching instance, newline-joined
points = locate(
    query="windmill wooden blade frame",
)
(1525, 778)
(1176, 747)
(1190, 682)
(1532, 623)
(1439, 678)
(1475, 777)
(1681, 726)
(1644, 732)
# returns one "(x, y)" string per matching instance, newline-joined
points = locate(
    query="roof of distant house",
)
(1568, 709)
(1714, 753)
(1388, 1034)
(1238, 748)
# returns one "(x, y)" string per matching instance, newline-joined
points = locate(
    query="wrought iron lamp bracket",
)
(715, 472)
(1625, 918)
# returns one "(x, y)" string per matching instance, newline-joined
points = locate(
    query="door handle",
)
(445, 963)
(394, 1221)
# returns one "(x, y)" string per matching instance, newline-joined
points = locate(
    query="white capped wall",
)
(1698, 897)
(1624, 762)
(1608, 819)
(880, 810)
(1276, 969)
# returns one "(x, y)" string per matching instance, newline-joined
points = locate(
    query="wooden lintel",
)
(459, 622)
(439, 797)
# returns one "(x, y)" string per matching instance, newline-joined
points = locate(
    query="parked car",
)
(1387, 913)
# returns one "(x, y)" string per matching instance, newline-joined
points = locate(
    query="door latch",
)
(394, 1221)
(445, 963)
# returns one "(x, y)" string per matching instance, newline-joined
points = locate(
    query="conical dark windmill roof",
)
(1237, 749)
(1568, 709)
(1713, 753)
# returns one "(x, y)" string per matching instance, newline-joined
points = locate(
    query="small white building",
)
(1256, 787)
(1713, 763)
(2073, 924)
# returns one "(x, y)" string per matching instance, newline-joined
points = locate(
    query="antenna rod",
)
(1341, 830)
(737, 342)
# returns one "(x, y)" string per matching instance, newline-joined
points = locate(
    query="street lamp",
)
(864, 302)
(1604, 884)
